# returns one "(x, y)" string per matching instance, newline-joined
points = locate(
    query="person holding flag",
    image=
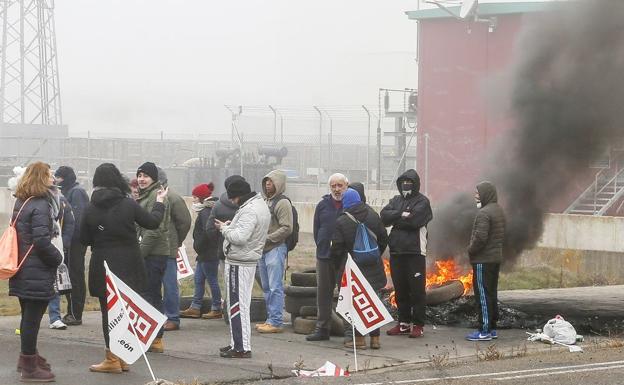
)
(109, 227)
(357, 212)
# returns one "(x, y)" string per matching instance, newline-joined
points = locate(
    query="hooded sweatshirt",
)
(409, 233)
(281, 210)
(488, 232)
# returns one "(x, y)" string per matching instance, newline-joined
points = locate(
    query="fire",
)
(446, 271)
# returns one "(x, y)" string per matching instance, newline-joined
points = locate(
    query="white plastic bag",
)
(560, 331)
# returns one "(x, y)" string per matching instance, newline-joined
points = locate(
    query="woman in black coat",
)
(33, 284)
(109, 227)
(342, 243)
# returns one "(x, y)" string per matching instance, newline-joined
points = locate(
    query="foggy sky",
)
(147, 66)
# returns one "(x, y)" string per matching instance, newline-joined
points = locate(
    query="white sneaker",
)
(58, 324)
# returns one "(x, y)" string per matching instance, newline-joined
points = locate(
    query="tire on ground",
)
(293, 305)
(303, 279)
(300, 291)
(444, 293)
(308, 311)
(304, 325)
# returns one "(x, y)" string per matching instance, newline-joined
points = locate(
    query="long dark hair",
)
(108, 175)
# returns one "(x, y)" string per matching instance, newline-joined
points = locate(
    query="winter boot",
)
(360, 343)
(111, 364)
(191, 312)
(374, 343)
(31, 372)
(125, 367)
(42, 362)
(157, 346)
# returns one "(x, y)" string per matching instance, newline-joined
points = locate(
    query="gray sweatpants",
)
(326, 282)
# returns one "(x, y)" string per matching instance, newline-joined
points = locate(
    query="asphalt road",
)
(594, 366)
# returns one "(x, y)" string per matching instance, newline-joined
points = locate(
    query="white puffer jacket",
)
(245, 237)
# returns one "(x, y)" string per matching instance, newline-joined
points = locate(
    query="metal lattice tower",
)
(29, 78)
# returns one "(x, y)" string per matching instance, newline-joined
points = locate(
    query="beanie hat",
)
(238, 188)
(203, 191)
(350, 198)
(231, 179)
(68, 175)
(150, 169)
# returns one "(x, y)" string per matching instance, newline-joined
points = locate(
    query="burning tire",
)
(447, 291)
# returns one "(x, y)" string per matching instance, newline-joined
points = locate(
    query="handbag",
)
(62, 283)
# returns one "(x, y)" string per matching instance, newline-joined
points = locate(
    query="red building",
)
(460, 63)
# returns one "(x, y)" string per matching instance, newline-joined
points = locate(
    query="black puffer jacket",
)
(488, 232)
(108, 226)
(205, 243)
(409, 234)
(344, 238)
(224, 210)
(35, 279)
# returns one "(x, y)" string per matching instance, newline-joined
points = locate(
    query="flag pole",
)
(123, 307)
(349, 285)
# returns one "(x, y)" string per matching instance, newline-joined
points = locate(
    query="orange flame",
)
(446, 271)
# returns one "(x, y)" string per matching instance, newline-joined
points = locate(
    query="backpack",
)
(9, 250)
(293, 238)
(365, 249)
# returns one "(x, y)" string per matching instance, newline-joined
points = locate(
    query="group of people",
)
(137, 227)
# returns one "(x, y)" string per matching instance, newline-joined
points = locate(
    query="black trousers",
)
(155, 266)
(326, 276)
(104, 311)
(32, 313)
(76, 298)
(408, 273)
(485, 282)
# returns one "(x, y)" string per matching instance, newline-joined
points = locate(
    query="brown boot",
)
(42, 362)
(213, 314)
(360, 343)
(157, 346)
(31, 372)
(111, 364)
(191, 312)
(125, 367)
(375, 342)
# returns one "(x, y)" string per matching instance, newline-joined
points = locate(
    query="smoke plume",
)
(567, 102)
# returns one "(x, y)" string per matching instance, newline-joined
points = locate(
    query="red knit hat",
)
(203, 191)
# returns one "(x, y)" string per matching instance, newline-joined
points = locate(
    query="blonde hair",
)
(34, 182)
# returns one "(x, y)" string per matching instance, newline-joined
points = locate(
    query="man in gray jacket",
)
(273, 260)
(486, 254)
(244, 240)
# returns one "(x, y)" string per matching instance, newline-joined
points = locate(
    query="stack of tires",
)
(300, 302)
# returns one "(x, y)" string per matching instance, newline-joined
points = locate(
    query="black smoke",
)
(567, 101)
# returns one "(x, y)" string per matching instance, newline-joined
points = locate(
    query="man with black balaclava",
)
(408, 213)
(486, 254)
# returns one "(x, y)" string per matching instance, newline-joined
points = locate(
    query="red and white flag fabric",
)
(182, 261)
(147, 321)
(360, 306)
(327, 370)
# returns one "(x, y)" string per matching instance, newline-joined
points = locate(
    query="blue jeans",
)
(271, 267)
(207, 271)
(54, 309)
(155, 266)
(172, 291)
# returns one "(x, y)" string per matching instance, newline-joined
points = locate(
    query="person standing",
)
(486, 254)
(244, 240)
(109, 226)
(33, 284)
(325, 214)
(154, 243)
(205, 245)
(355, 211)
(273, 261)
(65, 178)
(179, 226)
(408, 213)
(66, 222)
